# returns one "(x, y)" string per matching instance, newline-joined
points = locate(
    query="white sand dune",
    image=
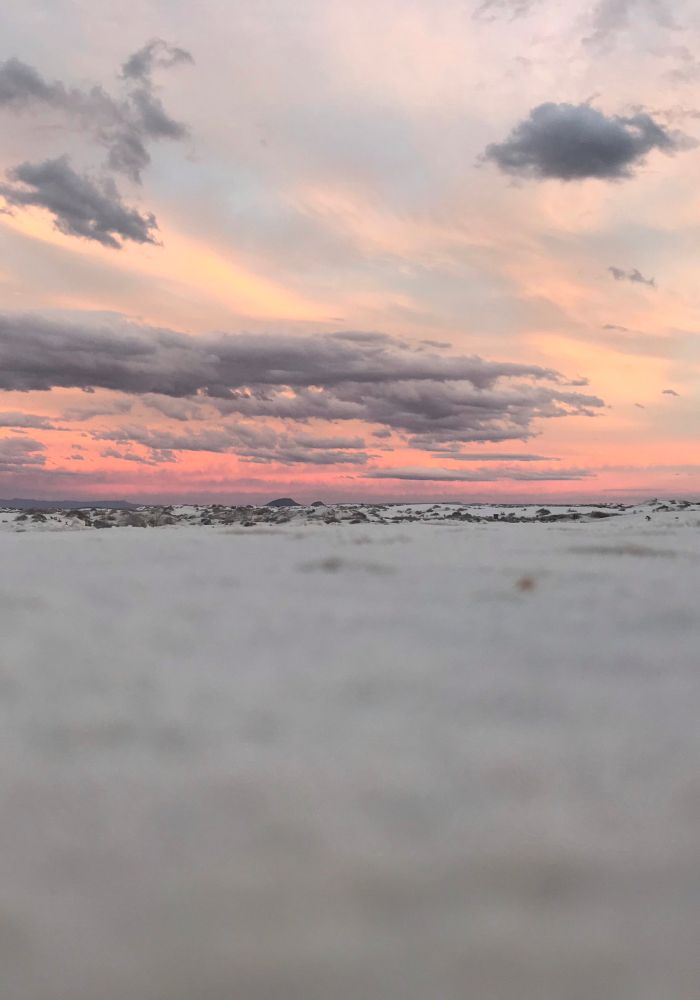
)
(411, 761)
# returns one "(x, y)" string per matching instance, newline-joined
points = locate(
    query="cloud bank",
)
(367, 377)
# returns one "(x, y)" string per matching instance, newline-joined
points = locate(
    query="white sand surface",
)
(422, 761)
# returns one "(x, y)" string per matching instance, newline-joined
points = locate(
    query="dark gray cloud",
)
(156, 54)
(371, 378)
(479, 475)
(81, 206)
(124, 125)
(20, 452)
(21, 86)
(635, 276)
(29, 420)
(571, 142)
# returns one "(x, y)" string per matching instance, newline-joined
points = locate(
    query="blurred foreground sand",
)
(414, 762)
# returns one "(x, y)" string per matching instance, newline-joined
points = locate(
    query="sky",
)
(388, 249)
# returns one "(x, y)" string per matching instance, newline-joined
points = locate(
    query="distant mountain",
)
(283, 502)
(23, 504)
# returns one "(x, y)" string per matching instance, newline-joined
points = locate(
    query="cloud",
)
(670, 392)
(571, 142)
(496, 457)
(303, 456)
(371, 378)
(160, 440)
(124, 125)
(440, 345)
(101, 409)
(155, 54)
(627, 341)
(479, 475)
(155, 458)
(490, 9)
(21, 86)
(81, 206)
(610, 17)
(20, 452)
(312, 442)
(29, 420)
(126, 456)
(636, 277)
(182, 410)
(434, 410)
(307, 449)
(687, 71)
(252, 443)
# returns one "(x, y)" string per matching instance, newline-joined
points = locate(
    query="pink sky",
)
(353, 202)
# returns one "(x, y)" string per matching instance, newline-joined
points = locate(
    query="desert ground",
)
(410, 752)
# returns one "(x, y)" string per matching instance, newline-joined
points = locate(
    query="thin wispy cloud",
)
(17, 419)
(635, 276)
(495, 457)
(490, 10)
(610, 18)
(481, 475)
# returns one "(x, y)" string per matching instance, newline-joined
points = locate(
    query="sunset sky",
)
(350, 250)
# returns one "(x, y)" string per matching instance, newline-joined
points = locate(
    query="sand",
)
(426, 760)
